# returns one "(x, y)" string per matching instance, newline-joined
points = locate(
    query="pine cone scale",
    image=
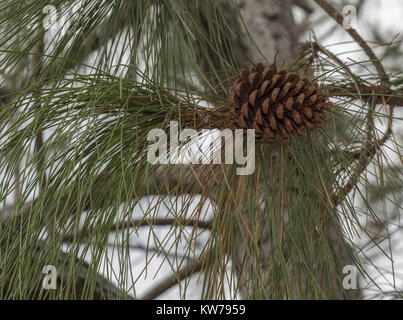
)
(278, 104)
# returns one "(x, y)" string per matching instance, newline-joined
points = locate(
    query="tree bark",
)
(272, 27)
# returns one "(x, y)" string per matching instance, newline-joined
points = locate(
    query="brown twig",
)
(162, 222)
(104, 290)
(317, 47)
(371, 145)
(331, 11)
(157, 222)
(367, 153)
(175, 279)
(366, 92)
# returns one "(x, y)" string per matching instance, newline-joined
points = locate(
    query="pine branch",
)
(162, 222)
(76, 56)
(367, 153)
(105, 290)
(316, 47)
(368, 93)
(157, 222)
(370, 147)
(172, 180)
(332, 12)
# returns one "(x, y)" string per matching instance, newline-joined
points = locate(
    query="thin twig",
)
(371, 146)
(331, 11)
(367, 153)
(175, 279)
(104, 290)
(162, 222)
(366, 92)
(158, 222)
(317, 47)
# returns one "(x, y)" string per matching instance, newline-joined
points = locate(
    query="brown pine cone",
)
(278, 104)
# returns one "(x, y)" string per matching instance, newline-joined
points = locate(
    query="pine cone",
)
(278, 104)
